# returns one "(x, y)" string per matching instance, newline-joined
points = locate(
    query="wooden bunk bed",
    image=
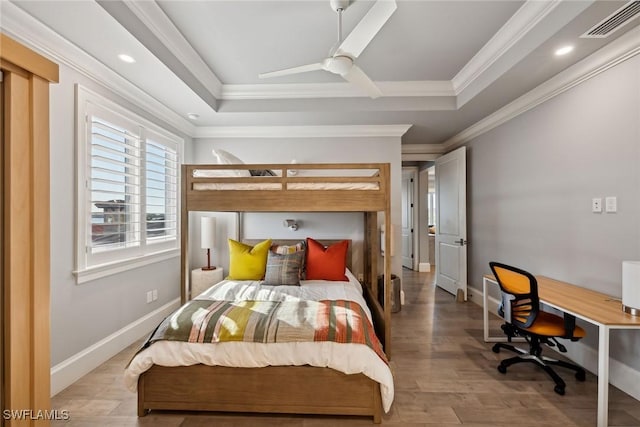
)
(282, 389)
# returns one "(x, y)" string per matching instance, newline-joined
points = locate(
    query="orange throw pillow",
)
(326, 263)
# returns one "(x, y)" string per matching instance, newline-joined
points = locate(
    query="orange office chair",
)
(520, 309)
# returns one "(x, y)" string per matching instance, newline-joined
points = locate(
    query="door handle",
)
(461, 242)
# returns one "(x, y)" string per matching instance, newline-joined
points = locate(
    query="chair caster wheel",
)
(502, 369)
(559, 390)
(496, 348)
(581, 376)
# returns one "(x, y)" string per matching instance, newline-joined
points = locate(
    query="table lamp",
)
(631, 287)
(207, 238)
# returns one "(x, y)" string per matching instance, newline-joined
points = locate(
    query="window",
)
(128, 172)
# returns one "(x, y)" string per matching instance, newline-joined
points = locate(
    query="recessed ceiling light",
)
(126, 58)
(564, 50)
(193, 116)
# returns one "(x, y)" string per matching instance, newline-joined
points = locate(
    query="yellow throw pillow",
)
(248, 262)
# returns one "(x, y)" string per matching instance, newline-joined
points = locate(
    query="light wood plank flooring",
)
(445, 375)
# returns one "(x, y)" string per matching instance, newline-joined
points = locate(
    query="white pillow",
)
(222, 157)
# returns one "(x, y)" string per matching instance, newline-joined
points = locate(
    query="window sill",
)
(104, 270)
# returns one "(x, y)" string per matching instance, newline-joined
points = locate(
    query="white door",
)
(451, 224)
(407, 218)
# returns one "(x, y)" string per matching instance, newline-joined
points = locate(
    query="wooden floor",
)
(445, 375)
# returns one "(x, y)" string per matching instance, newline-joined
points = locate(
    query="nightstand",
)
(201, 280)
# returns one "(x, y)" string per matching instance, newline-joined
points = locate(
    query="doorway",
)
(409, 198)
(431, 216)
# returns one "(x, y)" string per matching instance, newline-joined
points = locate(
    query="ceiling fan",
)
(341, 58)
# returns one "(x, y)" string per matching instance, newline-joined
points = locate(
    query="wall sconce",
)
(291, 224)
(208, 238)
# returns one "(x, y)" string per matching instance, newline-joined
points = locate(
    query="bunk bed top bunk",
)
(314, 187)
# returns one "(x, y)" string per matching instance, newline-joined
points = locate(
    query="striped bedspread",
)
(206, 321)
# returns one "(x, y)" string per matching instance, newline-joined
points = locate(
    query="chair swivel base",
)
(542, 361)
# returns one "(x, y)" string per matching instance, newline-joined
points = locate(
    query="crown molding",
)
(154, 18)
(621, 49)
(338, 131)
(29, 31)
(422, 149)
(521, 23)
(419, 157)
(335, 90)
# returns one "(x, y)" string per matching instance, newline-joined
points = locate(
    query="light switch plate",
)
(596, 205)
(611, 204)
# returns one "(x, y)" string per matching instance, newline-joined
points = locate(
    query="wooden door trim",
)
(25, 58)
(26, 231)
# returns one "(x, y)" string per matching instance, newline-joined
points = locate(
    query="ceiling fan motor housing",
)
(338, 64)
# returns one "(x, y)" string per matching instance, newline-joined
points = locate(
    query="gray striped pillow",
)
(284, 269)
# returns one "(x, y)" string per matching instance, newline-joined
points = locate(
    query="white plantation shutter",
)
(114, 187)
(128, 187)
(161, 190)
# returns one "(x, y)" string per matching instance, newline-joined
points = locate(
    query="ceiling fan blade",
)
(358, 78)
(294, 70)
(367, 28)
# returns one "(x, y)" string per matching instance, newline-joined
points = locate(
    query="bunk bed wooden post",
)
(387, 261)
(184, 238)
(366, 249)
(372, 251)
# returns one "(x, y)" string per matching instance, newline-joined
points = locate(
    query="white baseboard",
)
(424, 267)
(621, 375)
(72, 369)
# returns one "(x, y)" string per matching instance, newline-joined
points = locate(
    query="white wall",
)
(532, 179)
(82, 315)
(305, 150)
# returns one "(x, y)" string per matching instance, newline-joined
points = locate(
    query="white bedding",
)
(347, 358)
(259, 186)
(256, 186)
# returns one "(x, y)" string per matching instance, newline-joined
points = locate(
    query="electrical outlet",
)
(149, 297)
(596, 205)
(155, 294)
(360, 277)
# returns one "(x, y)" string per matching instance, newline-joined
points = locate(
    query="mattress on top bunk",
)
(199, 186)
(316, 173)
(346, 358)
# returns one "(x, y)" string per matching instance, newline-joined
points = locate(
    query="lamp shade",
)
(207, 232)
(631, 287)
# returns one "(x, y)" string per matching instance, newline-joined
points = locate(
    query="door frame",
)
(26, 229)
(2, 319)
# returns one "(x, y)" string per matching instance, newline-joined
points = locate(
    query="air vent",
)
(615, 21)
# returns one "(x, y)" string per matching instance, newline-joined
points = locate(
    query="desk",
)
(594, 307)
